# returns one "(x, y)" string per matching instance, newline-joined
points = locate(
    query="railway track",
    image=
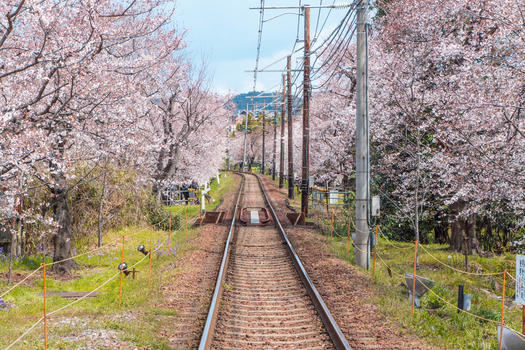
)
(263, 297)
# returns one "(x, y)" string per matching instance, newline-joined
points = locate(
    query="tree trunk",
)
(441, 228)
(489, 235)
(62, 241)
(456, 238)
(11, 251)
(463, 228)
(470, 233)
(101, 207)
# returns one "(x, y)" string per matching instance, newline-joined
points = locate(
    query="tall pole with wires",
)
(263, 136)
(290, 127)
(259, 35)
(245, 132)
(281, 155)
(274, 142)
(362, 254)
(306, 115)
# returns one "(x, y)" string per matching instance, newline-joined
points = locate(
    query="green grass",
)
(439, 323)
(139, 297)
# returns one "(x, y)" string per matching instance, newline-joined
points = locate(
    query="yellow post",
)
(414, 280)
(121, 274)
(150, 252)
(45, 307)
(332, 225)
(186, 217)
(349, 236)
(169, 234)
(523, 320)
(502, 310)
(375, 252)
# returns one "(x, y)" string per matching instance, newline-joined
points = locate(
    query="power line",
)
(261, 24)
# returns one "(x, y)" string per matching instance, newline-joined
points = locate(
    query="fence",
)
(413, 253)
(123, 270)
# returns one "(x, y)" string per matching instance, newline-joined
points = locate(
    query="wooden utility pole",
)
(306, 115)
(290, 127)
(362, 253)
(281, 156)
(245, 132)
(264, 136)
(274, 142)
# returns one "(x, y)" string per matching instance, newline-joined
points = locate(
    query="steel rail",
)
(207, 334)
(329, 322)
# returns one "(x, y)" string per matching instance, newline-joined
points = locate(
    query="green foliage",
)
(438, 322)
(158, 216)
(141, 316)
(488, 314)
(431, 301)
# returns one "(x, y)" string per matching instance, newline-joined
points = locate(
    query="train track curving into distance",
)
(263, 297)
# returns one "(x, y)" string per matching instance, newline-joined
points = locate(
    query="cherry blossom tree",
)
(446, 111)
(71, 76)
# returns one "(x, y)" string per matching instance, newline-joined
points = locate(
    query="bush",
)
(125, 201)
(158, 216)
(486, 313)
(431, 301)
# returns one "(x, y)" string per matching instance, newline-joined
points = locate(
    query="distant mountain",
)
(259, 99)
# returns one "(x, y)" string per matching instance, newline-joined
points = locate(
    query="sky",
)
(225, 33)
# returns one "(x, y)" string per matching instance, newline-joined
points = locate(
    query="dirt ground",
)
(345, 290)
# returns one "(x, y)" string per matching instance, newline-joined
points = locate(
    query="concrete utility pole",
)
(264, 136)
(290, 127)
(228, 149)
(281, 156)
(362, 253)
(306, 115)
(245, 132)
(274, 142)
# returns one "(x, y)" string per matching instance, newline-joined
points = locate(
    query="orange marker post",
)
(332, 225)
(150, 252)
(502, 310)
(169, 233)
(523, 320)
(414, 280)
(375, 252)
(186, 217)
(349, 236)
(45, 306)
(121, 274)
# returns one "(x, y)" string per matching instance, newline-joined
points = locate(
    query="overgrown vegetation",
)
(111, 199)
(141, 314)
(439, 322)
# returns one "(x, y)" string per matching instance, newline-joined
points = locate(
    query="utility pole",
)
(290, 127)
(263, 135)
(274, 141)
(245, 132)
(228, 149)
(281, 156)
(362, 253)
(306, 115)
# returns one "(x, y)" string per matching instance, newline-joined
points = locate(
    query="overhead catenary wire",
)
(316, 37)
(259, 41)
(342, 43)
(338, 35)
